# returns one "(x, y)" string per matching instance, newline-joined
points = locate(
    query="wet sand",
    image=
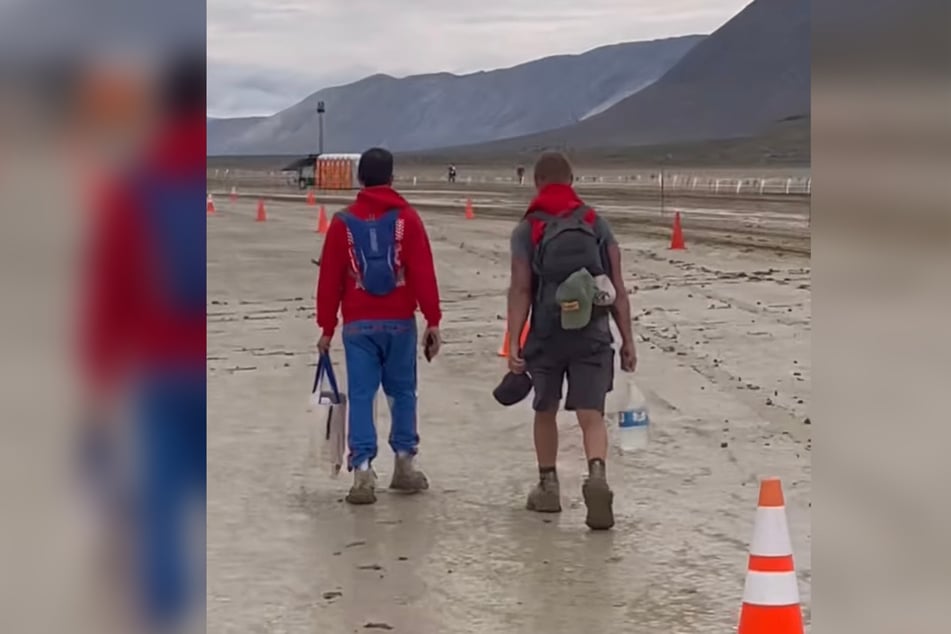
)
(723, 335)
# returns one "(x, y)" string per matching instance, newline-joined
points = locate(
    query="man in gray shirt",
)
(564, 255)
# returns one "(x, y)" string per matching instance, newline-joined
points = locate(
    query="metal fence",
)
(709, 184)
(671, 182)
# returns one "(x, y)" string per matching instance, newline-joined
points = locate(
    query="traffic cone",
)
(677, 239)
(323, 225)
(262, 212)
(771, 596)
(311, 199)
(210, 205)
(234, 194)
(506, 340)
(470, 214)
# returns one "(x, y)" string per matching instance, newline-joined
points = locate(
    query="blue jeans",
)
(380, 352)
(172, 438)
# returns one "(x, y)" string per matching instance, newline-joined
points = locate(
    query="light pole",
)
(321, 109)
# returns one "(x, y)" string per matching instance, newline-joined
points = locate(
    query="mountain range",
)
(438, 110)
(746, 77)
(741, 82)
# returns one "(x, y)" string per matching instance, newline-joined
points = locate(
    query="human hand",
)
(628, 357)
(323, 345)
(516, 361)
(432, 342)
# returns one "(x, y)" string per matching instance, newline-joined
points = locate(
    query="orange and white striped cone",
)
(771, 596)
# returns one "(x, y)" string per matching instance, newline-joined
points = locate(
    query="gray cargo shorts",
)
(587, 363)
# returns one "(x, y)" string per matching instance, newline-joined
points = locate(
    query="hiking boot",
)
(546, 496)
(598, 498)
(363, 490)
(406, 477)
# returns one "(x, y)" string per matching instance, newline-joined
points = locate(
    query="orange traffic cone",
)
(234, 194)
(210, 205)
(677, 239)
(323, 225)
(507, 339)
(470, 214)
(771, 595)
(262, 212)
(311, 199)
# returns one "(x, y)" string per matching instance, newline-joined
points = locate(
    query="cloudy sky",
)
(265, 55)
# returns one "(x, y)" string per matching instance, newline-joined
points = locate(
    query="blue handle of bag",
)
(325, 369)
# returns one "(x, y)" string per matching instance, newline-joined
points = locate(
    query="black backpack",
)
(567, 244)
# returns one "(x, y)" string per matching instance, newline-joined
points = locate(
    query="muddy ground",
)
(723, 331)
(749, 219)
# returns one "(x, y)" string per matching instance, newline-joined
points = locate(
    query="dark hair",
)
(376, 167)
(184, 84)
(553, 167)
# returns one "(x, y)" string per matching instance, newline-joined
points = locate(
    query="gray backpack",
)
(568, 244)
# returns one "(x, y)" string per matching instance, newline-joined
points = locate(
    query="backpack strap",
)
(347, 215)
(391, 214)
(540, 217)
(578, 212)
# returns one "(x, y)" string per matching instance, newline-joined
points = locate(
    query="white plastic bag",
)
(330, 407)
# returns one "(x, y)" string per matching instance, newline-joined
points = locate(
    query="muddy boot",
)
(546, 496)
(363, 490)
(598, 498)
(406, 477)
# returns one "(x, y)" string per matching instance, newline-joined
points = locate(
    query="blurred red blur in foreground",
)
(102, 154)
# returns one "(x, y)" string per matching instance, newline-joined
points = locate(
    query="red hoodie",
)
(556, 200)
(336, 286)
(132, 320)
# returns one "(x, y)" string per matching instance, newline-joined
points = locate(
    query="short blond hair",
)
(553, 168)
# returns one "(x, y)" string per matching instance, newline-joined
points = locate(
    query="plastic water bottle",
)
(633, 421)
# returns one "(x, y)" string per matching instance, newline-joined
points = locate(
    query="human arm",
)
(330, 281)
(621, 309)
(519, 294)
(420, 268)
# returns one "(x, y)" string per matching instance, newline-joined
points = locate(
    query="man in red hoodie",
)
(563, 257)
(377, 266)
(144, 341)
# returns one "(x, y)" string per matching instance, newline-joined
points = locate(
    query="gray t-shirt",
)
(523, 247)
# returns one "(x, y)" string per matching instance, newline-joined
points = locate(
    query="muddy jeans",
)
(380, 352)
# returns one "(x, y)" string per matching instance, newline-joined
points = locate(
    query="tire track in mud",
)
(258, 315)
(697, 279)
(658, 329)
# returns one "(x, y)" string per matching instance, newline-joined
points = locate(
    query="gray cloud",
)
(264, 55)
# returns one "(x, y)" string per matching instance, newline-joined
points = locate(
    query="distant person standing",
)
(563, 255)
(520, 174)
(452, 173)
(377, 266)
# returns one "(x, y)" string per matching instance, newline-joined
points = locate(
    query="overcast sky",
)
(265, 55)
